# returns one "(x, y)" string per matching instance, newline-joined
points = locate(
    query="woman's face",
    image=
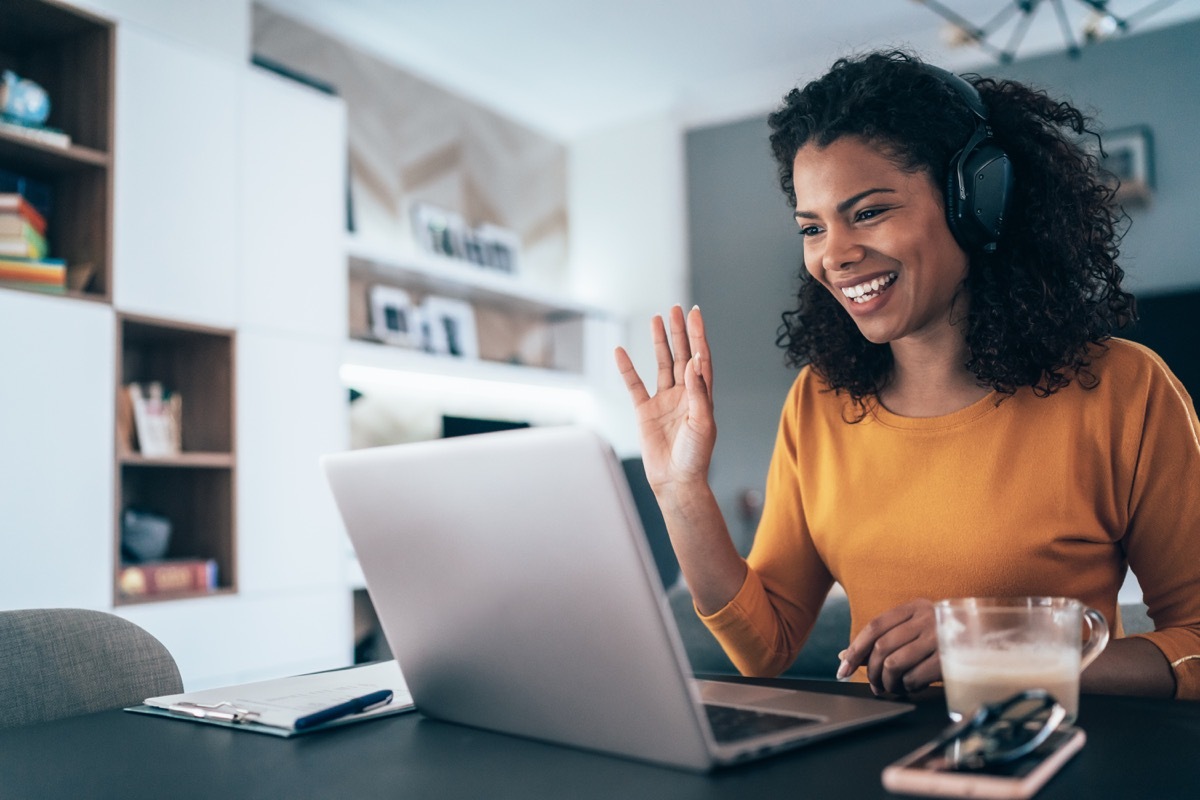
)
(876, 237)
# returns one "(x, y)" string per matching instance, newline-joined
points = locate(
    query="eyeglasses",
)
(1002, 732)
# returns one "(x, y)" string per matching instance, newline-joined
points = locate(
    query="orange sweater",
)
(1028, 496)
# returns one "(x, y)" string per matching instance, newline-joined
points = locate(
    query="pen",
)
(353, 706)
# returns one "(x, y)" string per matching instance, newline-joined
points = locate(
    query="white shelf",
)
(383, 357)
(454, 278)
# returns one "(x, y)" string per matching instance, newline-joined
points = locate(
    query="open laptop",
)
(518, 592)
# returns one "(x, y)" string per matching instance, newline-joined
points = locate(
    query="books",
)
(273, 707)
(14, 203)
(19, 238)
(170, 576)
(44, 274)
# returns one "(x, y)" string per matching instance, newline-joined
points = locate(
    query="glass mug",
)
(992, 648)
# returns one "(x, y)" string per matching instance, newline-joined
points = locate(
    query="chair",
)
(59, 662)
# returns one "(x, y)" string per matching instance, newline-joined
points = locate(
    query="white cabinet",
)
(56, 451)
(293, 196)
(291, 411)
(177, 227)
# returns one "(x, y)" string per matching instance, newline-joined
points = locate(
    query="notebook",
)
(517, 590)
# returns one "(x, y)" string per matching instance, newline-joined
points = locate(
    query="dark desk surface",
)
(1136, 748)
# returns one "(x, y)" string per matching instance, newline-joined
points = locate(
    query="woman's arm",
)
(677, 433)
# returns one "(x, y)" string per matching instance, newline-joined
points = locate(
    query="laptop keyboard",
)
(730, 724)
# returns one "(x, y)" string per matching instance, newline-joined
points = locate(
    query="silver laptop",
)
(518, 592)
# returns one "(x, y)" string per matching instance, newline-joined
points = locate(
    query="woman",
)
(962, 423)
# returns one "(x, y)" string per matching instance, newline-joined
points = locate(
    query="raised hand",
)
(675, 425)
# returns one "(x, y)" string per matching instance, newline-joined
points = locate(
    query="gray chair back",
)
(59, 662)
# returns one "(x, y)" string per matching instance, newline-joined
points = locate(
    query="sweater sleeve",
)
(764, 626)
(1162, 543)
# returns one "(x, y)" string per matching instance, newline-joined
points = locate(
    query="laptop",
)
(517, 590)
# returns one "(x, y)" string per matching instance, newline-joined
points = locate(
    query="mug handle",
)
(1097, 629)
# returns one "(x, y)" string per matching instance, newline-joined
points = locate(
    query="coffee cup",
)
(992, 648)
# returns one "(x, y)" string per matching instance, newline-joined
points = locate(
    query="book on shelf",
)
(14, 225)
(24, 242)
(169, 576)
(49, 274)
(37, 194)
(15, 204)
(37, 133)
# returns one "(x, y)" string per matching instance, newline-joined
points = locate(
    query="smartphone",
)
(925, 772)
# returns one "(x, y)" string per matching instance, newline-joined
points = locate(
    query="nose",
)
(842, 249)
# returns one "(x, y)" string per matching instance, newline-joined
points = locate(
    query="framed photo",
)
(1129, 158)
(439, 231)
(394, 317)
(451, 327)
(501, 247)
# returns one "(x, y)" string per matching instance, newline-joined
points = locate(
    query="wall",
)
(628, 244)
(745, 254)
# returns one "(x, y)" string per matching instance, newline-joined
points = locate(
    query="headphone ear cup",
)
(976, 208)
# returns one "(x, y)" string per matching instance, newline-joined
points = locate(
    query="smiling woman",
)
(963, 422)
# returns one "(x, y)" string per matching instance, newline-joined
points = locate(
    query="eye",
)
(869, 213)
(809, 230)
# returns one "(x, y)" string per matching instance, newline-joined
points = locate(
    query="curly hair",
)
(1051, 289)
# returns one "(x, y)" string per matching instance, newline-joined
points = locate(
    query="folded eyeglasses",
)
(1002, 732)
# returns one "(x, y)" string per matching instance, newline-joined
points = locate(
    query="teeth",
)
(867, 290)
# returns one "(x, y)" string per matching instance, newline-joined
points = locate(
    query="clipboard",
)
(272, 707)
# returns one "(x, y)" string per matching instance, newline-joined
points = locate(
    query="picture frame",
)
(446, 233)
(450, 325)
(395, 319)
(439, 231)
(1128, 157)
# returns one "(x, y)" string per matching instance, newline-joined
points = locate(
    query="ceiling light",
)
(1100, 24)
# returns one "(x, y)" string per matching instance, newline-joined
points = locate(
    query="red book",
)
(172, 576)
(13, 202)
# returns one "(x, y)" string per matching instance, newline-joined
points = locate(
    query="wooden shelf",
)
(71, 54)
(183, 460)
(196, 488)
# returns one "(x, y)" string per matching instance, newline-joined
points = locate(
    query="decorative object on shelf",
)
(171, 576)
(1128, 156)
(451, 327)
(22, 100)
(446, 233)
(1098, 23)
(156, 416)
(24, 107)
(395, 319)
(145, 535)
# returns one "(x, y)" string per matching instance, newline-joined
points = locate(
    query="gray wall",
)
(745, 254)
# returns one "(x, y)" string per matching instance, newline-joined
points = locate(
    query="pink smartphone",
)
(925, 772)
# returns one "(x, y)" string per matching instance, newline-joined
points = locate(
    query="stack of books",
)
(24, 261)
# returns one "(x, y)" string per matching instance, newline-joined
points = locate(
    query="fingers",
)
(662, 354)
(898, 648)
(698, 342)
(680, 344)
(633, 382)
(699, 395)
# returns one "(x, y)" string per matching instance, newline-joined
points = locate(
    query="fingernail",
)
(843, 670)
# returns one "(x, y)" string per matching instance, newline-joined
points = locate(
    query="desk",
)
(1136, 748)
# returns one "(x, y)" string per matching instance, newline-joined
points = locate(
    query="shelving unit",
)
(70, 53)
(196, 488)
(527, 335)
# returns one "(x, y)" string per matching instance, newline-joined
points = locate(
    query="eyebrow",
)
(847, 203)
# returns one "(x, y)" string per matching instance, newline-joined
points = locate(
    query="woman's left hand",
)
(899, 649)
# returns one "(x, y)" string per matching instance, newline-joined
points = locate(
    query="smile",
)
(869, 290)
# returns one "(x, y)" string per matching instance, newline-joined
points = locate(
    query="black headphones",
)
(979, 179)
